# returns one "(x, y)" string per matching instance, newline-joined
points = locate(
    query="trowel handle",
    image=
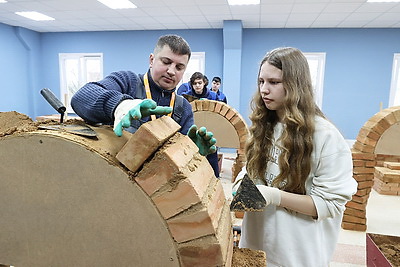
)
(53, 100)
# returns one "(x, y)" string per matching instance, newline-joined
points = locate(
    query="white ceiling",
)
(91, 15)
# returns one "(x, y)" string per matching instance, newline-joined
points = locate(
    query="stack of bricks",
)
(363, 171)
(181, 184)
(364, 162)
(237, 122)
(387, 179)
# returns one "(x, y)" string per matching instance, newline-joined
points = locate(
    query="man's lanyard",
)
(148, 95)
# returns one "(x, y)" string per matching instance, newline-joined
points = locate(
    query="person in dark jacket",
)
(183, 88)
(215, 85)
(127, 100)
(198, 83)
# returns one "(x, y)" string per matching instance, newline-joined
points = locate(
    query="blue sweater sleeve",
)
(95, 102)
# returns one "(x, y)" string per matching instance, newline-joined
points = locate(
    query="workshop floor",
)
(383, 217)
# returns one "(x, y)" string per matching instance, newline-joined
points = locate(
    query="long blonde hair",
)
(298, 120)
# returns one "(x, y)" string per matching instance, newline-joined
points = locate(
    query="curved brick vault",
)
(377, 144)
(147, 199)
(228, 126)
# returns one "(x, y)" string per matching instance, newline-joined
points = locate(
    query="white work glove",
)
(135, 109)
(238, 180)
(272, 195)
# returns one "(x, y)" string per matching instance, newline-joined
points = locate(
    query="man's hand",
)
(135, 109)
(203, 139)
(272, 195)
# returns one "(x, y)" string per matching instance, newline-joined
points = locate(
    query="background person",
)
(215, 85)
(198, 82)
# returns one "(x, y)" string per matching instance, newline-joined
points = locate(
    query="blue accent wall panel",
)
(357, 71)
(19, 69)
(358, 68)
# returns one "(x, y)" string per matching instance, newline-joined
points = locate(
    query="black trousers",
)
(213, 160)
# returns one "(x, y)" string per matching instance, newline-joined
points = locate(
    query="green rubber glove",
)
(203, 139)
(135, 109)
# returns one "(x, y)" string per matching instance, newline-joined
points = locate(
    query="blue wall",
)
(357, 71)
(19, 69)
(358, 68)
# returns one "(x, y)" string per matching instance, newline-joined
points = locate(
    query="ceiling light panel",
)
(243, 2)
(118, 4)
(34, 15)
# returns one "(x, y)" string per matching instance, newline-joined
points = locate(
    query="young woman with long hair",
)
(300, 163)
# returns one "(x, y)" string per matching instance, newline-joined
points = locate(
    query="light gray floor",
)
(383, 217)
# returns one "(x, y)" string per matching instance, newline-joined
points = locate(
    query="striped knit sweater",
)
(95, 102)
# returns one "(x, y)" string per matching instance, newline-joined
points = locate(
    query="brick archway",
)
(148, 198)
(371, 149)
(228, 127)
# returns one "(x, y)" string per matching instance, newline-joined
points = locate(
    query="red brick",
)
(363, 156)
(352, 219)
(363, 147)
(212, 250)
(358, 199)
(200, 220)
(365, 184)
(390, 118)
(359, 163)
(354, 226)
(174, 156)
(355, 213)
(224, 110)
(396, 113)
(218, 107)
(188, 192)
(363, 170)
(356, 206)
(363, 192)
(392, 165)
(147, 139)
(235, 119)
(239, 125)
(198, 104)
(369, 163)
(363, 177)
(387, 175)
(230, 114)
(369, 133)
(211, 106)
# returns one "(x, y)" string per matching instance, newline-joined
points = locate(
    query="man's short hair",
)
(216, 79)
(177, 44)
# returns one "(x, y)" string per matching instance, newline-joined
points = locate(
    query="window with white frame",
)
(197, 62)
(394, 98)
(77, 69)
(316, 62)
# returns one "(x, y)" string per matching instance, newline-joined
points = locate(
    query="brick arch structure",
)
(147, 199)
(228, 127)
(374, 138)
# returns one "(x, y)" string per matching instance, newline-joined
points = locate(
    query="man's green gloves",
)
(203, 139)
(135, 109)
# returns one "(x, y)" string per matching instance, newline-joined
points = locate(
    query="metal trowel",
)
(83, 130)
(248, 197)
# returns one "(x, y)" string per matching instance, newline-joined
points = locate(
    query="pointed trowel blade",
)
(248, 197)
